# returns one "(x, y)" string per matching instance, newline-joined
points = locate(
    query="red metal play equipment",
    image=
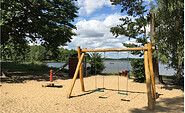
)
(51, 75)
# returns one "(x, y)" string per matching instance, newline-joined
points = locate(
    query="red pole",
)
(51, 75)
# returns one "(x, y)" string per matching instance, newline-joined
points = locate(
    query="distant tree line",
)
(40, 53)
(126, 59)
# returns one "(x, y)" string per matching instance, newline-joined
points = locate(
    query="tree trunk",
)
(158, 79)
(180, 61)
(179, 71)
(180, 48)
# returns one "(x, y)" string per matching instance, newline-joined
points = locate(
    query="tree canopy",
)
(170, 33)
(169, 28)
(134, 24)
(39, 53)
(46, 21)
(134, 27)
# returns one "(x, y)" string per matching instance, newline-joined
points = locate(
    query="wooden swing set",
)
(149, 73)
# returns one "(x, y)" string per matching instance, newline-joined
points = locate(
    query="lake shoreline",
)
(114, 66)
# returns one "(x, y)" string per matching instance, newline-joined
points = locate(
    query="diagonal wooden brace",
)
(151, 70)
(75, 75)
(80, 69)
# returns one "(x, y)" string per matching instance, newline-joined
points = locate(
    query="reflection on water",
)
(114, 66)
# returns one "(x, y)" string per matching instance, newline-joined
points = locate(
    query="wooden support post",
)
(80, 70)
(85, 66)
(75, 75)
(151, 102)
(151, 70)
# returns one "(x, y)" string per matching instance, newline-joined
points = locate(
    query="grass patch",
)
(168, 77)
(27, 67)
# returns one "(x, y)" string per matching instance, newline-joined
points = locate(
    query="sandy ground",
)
(29, 96)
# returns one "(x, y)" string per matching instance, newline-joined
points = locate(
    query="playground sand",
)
(31, 97)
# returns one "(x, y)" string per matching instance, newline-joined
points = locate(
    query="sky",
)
(96, 17)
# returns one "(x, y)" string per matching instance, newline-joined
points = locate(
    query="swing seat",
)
(99, 90)
(102, 97)
(125, 100)
(122, 93)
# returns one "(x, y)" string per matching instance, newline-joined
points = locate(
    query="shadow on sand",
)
(22, 77)
(164, 105)
(173, 86)
(85, 93)
(102, 90)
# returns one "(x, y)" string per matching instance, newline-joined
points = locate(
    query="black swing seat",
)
(102, 97)
(125, 100)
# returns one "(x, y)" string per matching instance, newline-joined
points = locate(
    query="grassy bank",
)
(168, 77)
(33, 67)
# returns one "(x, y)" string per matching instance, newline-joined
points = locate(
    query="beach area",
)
(26, 94)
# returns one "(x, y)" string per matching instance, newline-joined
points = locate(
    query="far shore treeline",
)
(39, 53)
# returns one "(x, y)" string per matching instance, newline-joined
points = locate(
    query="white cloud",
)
(91, 28)
(133, 41)
(95, 34)
(100, 17)
(147, 29)
(113, 20)
(89, 6)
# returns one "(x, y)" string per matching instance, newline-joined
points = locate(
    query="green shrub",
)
(138, 70)
(96, 63)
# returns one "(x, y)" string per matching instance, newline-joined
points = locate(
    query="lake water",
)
(113, 66)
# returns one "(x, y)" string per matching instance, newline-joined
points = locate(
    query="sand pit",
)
(31, 97)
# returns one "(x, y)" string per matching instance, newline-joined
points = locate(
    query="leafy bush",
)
(96, 63)
(138, 70)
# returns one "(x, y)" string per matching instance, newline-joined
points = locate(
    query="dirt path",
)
(31, 97)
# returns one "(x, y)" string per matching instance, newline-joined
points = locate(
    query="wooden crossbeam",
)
(110, 50)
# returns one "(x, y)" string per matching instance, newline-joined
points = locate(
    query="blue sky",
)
(96, 17)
